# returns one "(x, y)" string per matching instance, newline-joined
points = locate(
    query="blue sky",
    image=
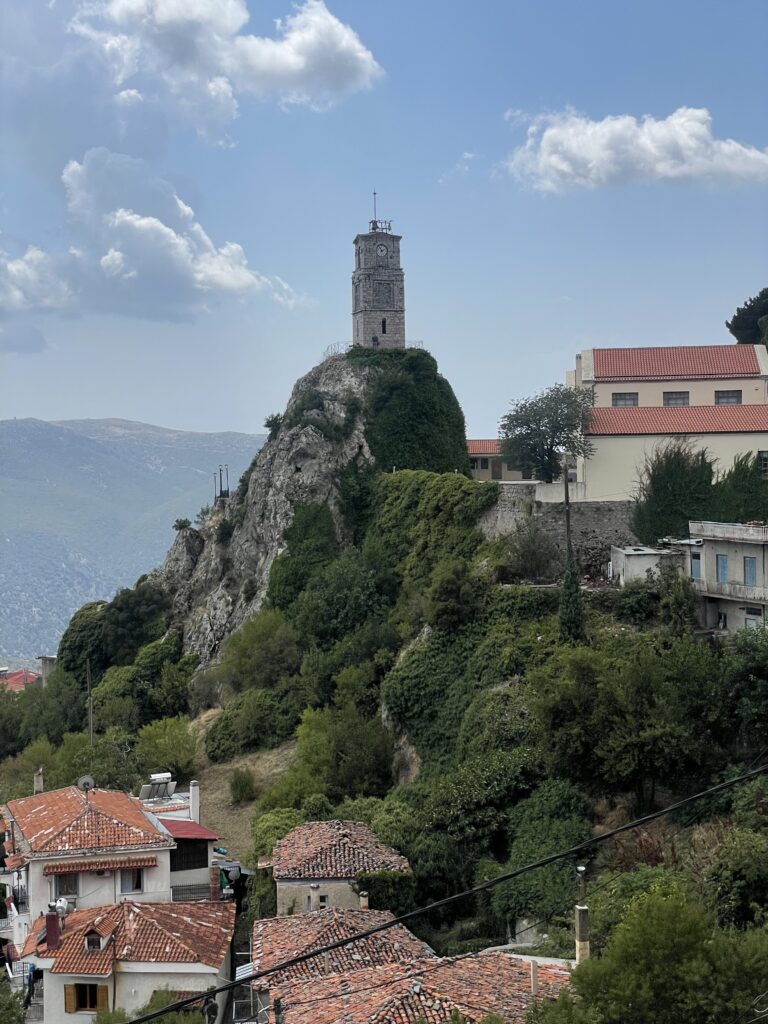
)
(182, 181)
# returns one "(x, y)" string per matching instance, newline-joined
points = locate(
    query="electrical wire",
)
(489, 884)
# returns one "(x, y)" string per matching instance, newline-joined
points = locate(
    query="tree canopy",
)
(745, 324)
(538, 431)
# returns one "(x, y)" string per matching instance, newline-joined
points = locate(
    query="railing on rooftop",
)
(190, 893)
(741, 532)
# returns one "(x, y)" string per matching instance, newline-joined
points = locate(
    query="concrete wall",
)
(612, 472)
(754, 390)
(296, 896)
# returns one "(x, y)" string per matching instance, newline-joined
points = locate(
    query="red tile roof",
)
(490, 447)
(178, 933)
(184, 828)
(694, 419)
(428, 990)
(66, 821)
(333, 849)
(279, 938)
(16, 681)
(65, 867)
(671, 362)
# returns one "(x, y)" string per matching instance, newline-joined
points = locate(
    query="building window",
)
(384, 325)
(677, 398)
(750, 571)
(722, 620)
(93, 941)
(473, 463)
(762, 464)
(66, 886)
(131, 880)
(82, 998)
(323, 901)
(722, 568)
(695, 565)
(728, 398)
(483, 463)
(189, 854)
(624, 398)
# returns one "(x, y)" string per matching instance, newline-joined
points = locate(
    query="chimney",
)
(194, 801)
(582, 933)
(38, 781)
(215, 883)
(363, 900)
(534, 978)
(52, 930)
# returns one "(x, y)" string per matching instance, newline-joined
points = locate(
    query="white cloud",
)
(142, 252)
(460, 169)
(32, 281)
(567, 150)
(196, 50)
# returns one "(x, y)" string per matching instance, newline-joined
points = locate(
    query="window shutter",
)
(102, 997)
(70, 1000)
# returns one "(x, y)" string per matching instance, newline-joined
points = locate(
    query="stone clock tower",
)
(378, 291)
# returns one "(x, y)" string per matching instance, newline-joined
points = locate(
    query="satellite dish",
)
(86, 782)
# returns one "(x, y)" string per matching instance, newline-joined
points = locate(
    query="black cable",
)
(489, 884)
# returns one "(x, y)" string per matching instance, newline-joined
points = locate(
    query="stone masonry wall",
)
(595, 525)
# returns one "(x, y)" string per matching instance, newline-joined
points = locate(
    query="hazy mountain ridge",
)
(86, 506)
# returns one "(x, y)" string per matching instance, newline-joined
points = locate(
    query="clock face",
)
(381, 250)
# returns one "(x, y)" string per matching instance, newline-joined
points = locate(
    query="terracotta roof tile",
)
(280, 938)
(333, 849)
(138, 933)
(694, 419)
(18, 680)
(489, 447)
(429, 989)
(69, 821)
(184, 828)
(670, 362)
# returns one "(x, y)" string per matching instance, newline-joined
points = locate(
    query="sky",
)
(181, 182)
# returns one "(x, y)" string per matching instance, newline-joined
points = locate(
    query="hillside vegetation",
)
(386, 628)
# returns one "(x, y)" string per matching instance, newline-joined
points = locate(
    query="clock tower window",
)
(384, 326)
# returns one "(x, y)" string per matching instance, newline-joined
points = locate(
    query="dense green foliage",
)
(160, 998)
(571, 611)
(11, 1005)
(745, 324)
(412, 417)
(678, 483)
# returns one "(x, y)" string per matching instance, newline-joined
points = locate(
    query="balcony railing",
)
(734, 591)
(183, 893)
(730, 531)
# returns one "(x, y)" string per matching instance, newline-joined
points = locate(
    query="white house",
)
(117, 956)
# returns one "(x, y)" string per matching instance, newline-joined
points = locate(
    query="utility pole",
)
(90, 702)
(582, 917)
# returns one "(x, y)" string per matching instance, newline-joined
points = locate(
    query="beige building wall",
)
(492, 467)
(754, 390)
(299, 896)
(612, 472)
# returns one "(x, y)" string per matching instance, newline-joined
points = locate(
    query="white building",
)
(730, 573)
(117, 956)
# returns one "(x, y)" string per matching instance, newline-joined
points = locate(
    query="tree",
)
(167, 744)
(273, 422)
(571, 611)
(745, 325)
(262, 651)
(11, 1004)
(181, 524)
(133, 618)
(539, 431)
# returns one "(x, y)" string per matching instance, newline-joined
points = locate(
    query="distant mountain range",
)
(87, 506)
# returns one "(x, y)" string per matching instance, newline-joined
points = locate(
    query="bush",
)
(250, 589)
(181, 524)
(167, 744)
(453, 596)
(388, 890)
(253, 720)
(224, 530)
(132, 619)
(264, 650)
(531, 553)
(273, 422)
(311, 544)
(242, 786)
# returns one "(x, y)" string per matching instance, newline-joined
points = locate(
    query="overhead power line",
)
(551, 858)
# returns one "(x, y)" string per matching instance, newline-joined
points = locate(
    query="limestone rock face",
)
(322, 433)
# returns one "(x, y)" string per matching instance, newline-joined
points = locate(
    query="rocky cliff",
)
(343, 413)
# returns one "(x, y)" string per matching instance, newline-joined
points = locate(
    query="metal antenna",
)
(374, 205)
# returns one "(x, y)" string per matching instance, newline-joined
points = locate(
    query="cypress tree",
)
(571, 609)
